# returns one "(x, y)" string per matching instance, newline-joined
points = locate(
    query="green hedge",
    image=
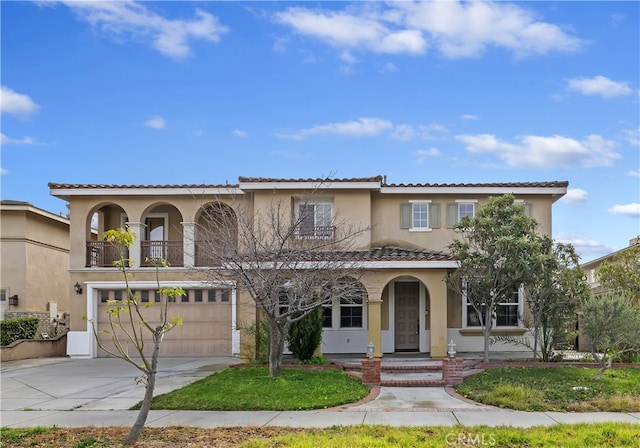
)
(18, 328)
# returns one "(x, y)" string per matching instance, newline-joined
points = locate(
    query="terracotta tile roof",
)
(346, 179)
(393, 253)
(123, 187)
(387, 253)
(551, 184)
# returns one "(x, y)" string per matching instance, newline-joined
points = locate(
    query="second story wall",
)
(388, 228)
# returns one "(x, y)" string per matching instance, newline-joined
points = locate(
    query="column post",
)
(135, 251)
(375, 326)
(189, 243)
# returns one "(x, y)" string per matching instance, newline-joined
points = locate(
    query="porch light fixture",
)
(371, 348)
(452, 349)
(77, 288)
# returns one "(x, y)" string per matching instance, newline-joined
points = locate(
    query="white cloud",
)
(345, 30)
(388, 68)
(14, 103)
(600, 86)
(3, 171)
(347, 57)
(455, 29)
(240, 133)
(633, 173)
(4, 140)
(466, 29)
(369, 127)
(632, 209)
(587, 248)
(363, 127)
(423, 154)
(632, 136)
(542, 152)
(156, 123)
(129, 19)
(469, 117)
(575, 196)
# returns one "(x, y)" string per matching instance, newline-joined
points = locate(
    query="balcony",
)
(171, 251)
(315, 233)
(102, 254)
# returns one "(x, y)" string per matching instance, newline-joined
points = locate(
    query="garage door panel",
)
(205, 331)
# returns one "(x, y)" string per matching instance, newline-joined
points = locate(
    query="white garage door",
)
(206, 328)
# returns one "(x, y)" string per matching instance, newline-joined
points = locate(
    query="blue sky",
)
(203, 92)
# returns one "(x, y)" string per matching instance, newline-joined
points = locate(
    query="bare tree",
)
(290, 255)
(131, 327)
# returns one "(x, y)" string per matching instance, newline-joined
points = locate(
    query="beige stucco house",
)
(590, 268)
(405, 305)
(34, 248)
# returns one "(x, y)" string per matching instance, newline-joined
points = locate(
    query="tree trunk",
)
(488, 324)
(603, 364)
(277, 349)
(137, 427)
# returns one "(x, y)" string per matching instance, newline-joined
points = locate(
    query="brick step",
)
(397, 368)
(412, 383)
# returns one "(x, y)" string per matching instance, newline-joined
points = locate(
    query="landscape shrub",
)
(18, 328)
(305, 335)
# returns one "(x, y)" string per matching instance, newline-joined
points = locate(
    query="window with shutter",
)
(419, 215)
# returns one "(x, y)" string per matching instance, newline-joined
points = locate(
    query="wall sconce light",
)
(77, 288)
(452, 349)
(13, 300)
(371, 348)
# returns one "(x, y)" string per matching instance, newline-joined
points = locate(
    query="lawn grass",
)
(606, 435)
(555, 389)
(251, 388)
(602, 435)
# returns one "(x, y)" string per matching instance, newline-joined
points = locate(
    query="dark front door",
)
(407, 322)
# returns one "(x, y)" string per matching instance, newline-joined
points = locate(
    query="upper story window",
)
(419, 216)
(466, 209)
(4, 293)
(457, 211)
(315, 220)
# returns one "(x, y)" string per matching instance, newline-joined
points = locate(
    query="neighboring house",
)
(34, 277)
(405, 304)
(590, 268)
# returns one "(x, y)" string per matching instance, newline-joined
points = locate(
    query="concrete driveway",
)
(92, 384)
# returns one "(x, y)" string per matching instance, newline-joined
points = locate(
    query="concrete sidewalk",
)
(98, 392)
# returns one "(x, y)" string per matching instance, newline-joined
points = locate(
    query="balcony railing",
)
(102, 254)
(316, 232)
(171, 251)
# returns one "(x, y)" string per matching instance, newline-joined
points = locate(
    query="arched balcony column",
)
(135, 251)
(189, 243)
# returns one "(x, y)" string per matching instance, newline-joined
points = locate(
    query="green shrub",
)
(305, 335)
(18, 328)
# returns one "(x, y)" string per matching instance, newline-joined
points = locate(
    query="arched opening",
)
(100, 253)
(406, 311)
(163, 236)
(216, 233)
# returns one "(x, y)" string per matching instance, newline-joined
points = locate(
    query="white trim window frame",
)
(420, 216)
(315, 219)
(466, 207)
(499, 317)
